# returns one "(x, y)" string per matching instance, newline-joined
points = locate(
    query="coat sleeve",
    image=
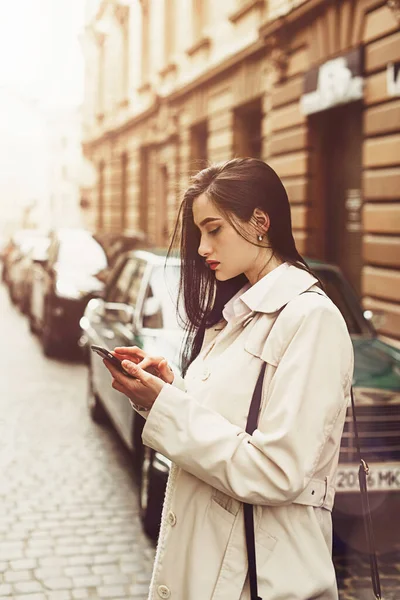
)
(308, 392)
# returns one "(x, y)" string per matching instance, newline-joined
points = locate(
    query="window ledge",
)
(244, 9)
(169, 68)
(202, 44)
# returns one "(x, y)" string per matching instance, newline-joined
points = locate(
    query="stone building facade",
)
(310, 86)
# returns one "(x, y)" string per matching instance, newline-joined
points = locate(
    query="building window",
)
(100, 198)
(199, 18)
(198, 146)
(125, 58)
(162, 232)
(247, 129)
(124, 189)
(169, 30)
(122, 15)
(101, 74)
(144, 189)
(145, 40)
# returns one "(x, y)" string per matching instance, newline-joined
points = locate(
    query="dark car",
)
(63, 284)
(376, 383)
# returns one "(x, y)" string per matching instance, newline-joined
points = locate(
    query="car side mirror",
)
(119, 312)
(376, 317)
(151, 307)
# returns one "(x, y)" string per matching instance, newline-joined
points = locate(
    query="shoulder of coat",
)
(313, 303)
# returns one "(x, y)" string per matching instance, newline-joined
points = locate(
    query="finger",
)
(163, 364)
(136, 371)
(116, 373)
(130, 351)
(121, 357)
(166, 372)
(148, 362)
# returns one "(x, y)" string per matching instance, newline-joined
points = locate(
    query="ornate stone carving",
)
(278, 54)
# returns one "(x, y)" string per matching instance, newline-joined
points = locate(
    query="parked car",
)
(115, 244)
(21, 270)
(138, 308)
(17, 246)
(62, 285)
(130, 314)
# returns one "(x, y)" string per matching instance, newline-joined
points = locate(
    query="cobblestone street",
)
(69, 522)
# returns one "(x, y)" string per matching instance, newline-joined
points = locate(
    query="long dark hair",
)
(236, 188)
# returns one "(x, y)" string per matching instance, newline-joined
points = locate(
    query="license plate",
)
(383, 477)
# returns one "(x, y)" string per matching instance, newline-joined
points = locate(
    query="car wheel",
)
(48, 342)
(151, 496)
(96, 409)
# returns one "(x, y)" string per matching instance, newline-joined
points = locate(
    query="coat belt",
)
(318, 493)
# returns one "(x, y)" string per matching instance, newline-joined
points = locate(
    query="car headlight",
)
(64, 289)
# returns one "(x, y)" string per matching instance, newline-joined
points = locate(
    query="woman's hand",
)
(156, 365)
(141, 387)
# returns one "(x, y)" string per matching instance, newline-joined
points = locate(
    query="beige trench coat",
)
(286, 468)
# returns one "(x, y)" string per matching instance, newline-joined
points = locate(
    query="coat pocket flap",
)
(257, 345)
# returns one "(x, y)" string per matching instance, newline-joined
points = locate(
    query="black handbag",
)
(363, 470)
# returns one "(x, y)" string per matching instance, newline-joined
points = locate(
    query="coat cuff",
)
(161, 414)
(143, 412)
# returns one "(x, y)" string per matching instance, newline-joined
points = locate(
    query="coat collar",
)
(292, 282)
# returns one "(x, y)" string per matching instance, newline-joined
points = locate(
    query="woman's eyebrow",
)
(208, 220)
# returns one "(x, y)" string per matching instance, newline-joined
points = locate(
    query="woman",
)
(241, 272)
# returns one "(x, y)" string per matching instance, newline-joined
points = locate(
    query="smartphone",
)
(104, 353)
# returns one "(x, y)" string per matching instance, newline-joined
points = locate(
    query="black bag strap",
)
(252, 420)
(363, 471)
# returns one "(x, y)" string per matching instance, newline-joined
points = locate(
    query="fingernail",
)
(128, 365)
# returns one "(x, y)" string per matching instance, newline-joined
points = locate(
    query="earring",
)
(260, 237)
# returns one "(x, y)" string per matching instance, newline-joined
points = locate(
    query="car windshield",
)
(81, 253)
(340, 292)
(165, 285)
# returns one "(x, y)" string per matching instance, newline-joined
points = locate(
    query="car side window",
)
(153, 320)
(119, 292)
(113, 276)
(136, 283)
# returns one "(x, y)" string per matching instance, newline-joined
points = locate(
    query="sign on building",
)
(338, 81)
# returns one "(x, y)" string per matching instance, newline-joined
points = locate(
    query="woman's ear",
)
(261, 218)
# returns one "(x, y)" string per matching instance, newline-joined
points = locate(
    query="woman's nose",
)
(204, 249)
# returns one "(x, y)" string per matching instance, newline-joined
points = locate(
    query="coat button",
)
(163, 591)
(171, 518)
